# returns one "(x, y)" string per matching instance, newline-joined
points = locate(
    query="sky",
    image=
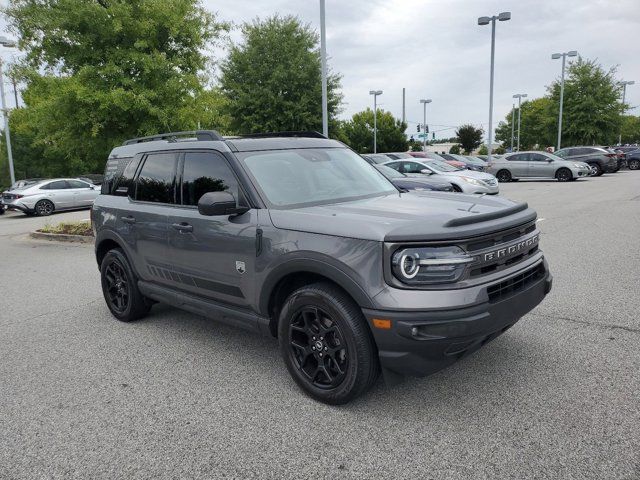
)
(436, 50)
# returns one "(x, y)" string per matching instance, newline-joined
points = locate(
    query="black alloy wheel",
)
(564, 175)
(318, 348)
(44, 208)
(633, 164)
(120, 288)
(504, 176)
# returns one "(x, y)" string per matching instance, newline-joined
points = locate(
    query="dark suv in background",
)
(297, 237)
(599, 159)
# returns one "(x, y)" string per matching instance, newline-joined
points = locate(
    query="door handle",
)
(128, 219)
(183, 227)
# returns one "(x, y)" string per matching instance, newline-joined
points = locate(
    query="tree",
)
(455, 149)
(99, 72)
(358, 132)
(630, 129)
(415, 146)
(483, 150)
(537, 125)
(469, 137)
(592, 107)
(272, 80)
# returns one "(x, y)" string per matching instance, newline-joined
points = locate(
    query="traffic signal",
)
(418, 128)
(426, 129)
(433, 136)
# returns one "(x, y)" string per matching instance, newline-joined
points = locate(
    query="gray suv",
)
(295, 236)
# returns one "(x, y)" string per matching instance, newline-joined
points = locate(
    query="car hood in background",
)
(471, 174)
(418, 216)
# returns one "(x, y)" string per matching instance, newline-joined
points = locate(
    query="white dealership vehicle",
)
(47, 196)
(466, 181)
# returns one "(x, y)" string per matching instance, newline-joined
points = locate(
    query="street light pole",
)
(424, 130)
(519, 96)
(624, 94)
(5, 42)
(502, 17)
(375, 94)
(564, 56)
(323, 59)
(513, 124)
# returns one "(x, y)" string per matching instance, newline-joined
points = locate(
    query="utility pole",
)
(424, 114)
(15, 90)
(624, 96)
(403, 109)
(7, 133)
(519, 96)
(564, 56)
(375, 94)
(513, 122)
(323, 57)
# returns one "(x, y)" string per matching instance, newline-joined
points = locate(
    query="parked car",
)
(633, 159)
(469, 162)
(467, 181)
(300, 239)
(48, 196)
(92, 178)
(600, 160)
(404, 183)
(454, 163)
(514, 166)
(398, 155)
(375, 158)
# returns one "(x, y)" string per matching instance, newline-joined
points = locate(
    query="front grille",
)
(507, 288)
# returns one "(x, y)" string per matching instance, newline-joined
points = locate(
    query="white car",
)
(466, 181)
(47, 196)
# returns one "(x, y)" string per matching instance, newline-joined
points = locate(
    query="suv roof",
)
(211, 138)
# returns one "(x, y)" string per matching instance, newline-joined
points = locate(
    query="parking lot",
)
(177, 395)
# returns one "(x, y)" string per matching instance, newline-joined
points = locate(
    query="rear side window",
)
(77, 184)
(206, 172)
(57, 185)
(156, 180)
(113, 172)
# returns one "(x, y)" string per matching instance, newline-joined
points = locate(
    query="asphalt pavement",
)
(180, 396)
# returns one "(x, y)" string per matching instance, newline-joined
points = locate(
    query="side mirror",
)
(426, 171)
(549, 160)
(214, 204)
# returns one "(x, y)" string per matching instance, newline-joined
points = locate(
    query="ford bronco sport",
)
(296, 236)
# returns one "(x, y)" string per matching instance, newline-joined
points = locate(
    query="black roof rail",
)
(201, 136)
(305, 134)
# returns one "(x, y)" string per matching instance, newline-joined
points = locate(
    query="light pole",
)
(564, 56)
(424, 115)
(624, 94)
(502, 17)
(375, 94)
(519, 96)
(513, 114)
(323, 59)
(5, 42)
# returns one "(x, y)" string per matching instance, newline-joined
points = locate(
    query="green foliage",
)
(630, 129)
(69, 228)
(538, 126)
(415, 146)
(455, 149)
(469, 137)
(499, 150)
(272, 80)
(358, 132)
(483, 150)
(98, 72)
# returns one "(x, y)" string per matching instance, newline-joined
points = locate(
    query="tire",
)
(44, 208)
(633, 164)
(326, 344)
(597, 169)
(119, 282)
(564, 175)
(504, 176)
(456, 188)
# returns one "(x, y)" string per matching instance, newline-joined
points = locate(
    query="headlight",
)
(474, 181)
(427, 265)
(577, 165)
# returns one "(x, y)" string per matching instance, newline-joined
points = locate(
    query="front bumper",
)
(420, 343)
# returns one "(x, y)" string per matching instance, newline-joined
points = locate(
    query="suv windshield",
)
(441, 166)
(305, 177)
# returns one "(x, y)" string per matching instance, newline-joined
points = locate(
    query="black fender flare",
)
(108, 234)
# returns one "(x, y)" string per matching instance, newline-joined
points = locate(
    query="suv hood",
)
(419, 216)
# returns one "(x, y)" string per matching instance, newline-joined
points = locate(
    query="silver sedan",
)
(47, 196)
(515, 166)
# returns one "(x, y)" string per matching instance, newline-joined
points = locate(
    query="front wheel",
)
(633, 164)
(44, 208)
(326, 344)
(564, 175)
(120, 288)
(504, 176)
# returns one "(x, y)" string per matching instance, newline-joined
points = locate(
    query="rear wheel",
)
(326, 344)
(120, 288)
(504, 176)
(456, 188)
(634, 164)
(596, 169)
(44, 208)
(564, 175)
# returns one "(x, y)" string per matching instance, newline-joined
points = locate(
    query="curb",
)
(61, 237)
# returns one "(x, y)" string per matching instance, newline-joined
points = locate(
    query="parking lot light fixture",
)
(624, 95)
(424, 119)
(556, 56)
(502, 17)
(519, 96)
(7, 43)
(513, 113)
(375, 94)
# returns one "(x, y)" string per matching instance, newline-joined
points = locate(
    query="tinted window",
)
(518, 157)
(537, 157)
(206, 172)
(57, 185)
(77, 184)
(155, 182)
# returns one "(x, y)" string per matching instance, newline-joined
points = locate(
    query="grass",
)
(69, 228)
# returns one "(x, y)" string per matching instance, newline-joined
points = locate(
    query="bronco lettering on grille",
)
(511, 249)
